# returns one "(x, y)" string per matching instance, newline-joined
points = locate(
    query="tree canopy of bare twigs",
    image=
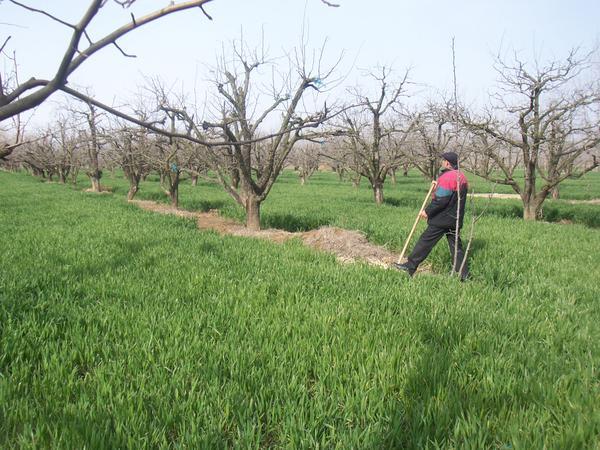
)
(17, 97)
(375, 130)
(246, 158)
(544, 121)
(431, 135)
(305, 159)
(129, 148)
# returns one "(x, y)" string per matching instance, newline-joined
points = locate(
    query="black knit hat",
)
(452, 158)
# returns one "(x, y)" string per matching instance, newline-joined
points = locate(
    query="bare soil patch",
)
(595, 201)
(103, 190)
(496, 195)
(348, 246)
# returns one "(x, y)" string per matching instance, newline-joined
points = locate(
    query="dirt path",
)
(496, 195)
(595, 201)
(347, 246)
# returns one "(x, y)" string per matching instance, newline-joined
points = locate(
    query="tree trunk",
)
(95, 180)
(235, 178)
(252, 213)
(174, 195)
(133, 188)
(556, 193)
(194, 180)
(532, 210)
(62, 177)
(134, 183)
(5, 151)
(37, 172)
(532, 206)
(302, 180)
(74, 175)
(378, 192)
(393, 175)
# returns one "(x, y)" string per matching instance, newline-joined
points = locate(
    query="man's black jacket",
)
(442, 210)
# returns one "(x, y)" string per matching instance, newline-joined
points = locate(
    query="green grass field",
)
(120, 328)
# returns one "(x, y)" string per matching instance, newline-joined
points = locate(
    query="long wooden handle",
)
(433, 183)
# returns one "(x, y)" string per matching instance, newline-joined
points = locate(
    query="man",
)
(441, 217)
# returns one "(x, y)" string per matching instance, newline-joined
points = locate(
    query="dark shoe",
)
(403, 268)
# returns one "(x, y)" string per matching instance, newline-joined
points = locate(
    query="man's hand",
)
(423, 215)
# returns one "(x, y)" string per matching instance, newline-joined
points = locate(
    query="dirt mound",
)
(348, 246)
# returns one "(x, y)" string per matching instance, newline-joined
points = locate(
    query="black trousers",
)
(427, 241)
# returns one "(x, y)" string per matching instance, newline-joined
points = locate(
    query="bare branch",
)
(208, 16)
(122, 52)
(41, 11)
(13, 104)
(4, 44)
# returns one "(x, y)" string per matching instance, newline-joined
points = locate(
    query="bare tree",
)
(430, 138)
(197, 165)
(53, 151)
(305, 159)
(64, 138)
(176, 156)
(11, 138)
(38, 156)
(341, 159)
(129, 147)
(92, 139)
(545, 122)
(14, 133)
(373, 130)
(172, 155)
(240, 108)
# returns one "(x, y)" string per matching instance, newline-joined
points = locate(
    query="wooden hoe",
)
(433, 184)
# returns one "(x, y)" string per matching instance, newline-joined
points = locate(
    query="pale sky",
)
(403, 33)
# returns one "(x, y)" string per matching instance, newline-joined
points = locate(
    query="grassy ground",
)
(124, 329)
